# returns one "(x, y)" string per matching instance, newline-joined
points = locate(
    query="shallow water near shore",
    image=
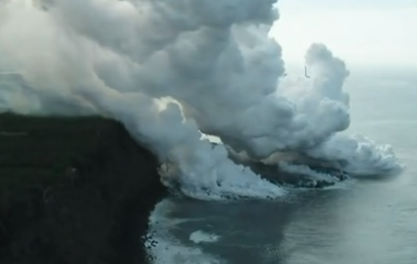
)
(361, 221)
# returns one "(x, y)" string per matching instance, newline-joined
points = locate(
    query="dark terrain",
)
(273, 173)
(73, 191)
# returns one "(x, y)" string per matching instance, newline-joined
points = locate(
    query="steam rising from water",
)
(170, 69)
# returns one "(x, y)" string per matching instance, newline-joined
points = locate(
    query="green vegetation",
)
(38, 151)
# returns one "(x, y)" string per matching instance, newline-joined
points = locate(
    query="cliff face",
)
(73, 191)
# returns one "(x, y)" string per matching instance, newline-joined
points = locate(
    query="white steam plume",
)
(169, 69)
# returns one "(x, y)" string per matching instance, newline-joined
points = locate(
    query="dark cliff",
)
(73, 190)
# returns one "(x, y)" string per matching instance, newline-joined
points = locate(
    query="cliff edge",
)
(73, 191)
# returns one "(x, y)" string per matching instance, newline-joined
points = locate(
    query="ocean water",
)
(361, 221)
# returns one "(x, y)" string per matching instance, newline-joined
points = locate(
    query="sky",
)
(376, 33)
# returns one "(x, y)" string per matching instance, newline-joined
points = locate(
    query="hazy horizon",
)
(366, 34)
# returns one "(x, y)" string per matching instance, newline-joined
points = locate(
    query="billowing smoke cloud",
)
(170, 69)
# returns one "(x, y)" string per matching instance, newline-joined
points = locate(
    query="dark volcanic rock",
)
(73, 190)
(276, 174)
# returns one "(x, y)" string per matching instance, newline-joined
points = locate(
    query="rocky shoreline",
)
(274, 171)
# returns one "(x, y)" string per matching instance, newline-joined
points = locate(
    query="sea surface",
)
(361, 221)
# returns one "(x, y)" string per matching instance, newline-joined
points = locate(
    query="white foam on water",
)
(163, 248)
(169, 251)
(200, 236)
(244, 184)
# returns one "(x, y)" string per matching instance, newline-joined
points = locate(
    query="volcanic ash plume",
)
(172, 69)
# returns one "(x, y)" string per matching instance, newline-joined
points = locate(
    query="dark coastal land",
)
(73, 191)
